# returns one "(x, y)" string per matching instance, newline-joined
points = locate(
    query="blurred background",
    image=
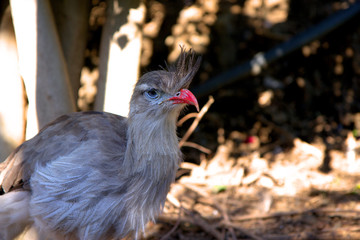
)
(276, 156)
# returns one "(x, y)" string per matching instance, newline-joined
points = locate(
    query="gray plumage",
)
(96, 175)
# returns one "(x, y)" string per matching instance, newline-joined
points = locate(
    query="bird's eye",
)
(152, 93)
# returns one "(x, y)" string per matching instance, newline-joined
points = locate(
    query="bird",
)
(96, 175)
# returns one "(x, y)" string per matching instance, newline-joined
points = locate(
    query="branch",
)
(196, 121)
(185, 118)
(197, 146)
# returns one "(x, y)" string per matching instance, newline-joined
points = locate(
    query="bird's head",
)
(166, 90)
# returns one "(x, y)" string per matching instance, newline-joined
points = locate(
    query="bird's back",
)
(107, 132)
(72, 169)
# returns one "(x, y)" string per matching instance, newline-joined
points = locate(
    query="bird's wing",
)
(11, 171)
(60, 138)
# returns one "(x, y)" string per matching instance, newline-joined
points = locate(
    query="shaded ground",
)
(279, 152)
(249, 198)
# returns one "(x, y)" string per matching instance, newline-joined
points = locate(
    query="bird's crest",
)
(174, 77)
(186, 67)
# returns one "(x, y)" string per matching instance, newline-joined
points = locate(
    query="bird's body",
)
(96, 175)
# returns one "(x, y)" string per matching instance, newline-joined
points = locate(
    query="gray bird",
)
(96, 175)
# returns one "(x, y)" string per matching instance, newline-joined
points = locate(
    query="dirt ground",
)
(276, 155)
(248, 197)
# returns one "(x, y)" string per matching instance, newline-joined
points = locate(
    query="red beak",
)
(185, 96)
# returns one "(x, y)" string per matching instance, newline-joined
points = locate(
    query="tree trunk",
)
(42, 63)
(12, 94)
(120, 55)
(72, 21)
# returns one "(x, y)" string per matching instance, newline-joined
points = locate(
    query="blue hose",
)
(262, 60)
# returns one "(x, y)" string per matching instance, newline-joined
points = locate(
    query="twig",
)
(227, 221)
(339, 213)
(268, 216)
(189, 165)
(197, 190)
(197, 146)
(196, 121)
(166, 218)
(185, 118)
(226, 218)
(172, 230)
(330, 233)
(197, 219)
(173, 200)
(241, 229)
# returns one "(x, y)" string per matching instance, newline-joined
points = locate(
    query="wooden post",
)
(12, 93)
(72, 21)
(42, 63)
(120, 55)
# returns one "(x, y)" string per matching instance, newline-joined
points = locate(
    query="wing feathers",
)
(60, 138)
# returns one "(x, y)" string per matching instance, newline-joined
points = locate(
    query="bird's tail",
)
(14, 213)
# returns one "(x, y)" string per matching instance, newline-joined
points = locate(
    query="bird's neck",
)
(151, 161)
(153, 144)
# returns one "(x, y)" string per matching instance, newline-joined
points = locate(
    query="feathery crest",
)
(172, 78)
(186, 67)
